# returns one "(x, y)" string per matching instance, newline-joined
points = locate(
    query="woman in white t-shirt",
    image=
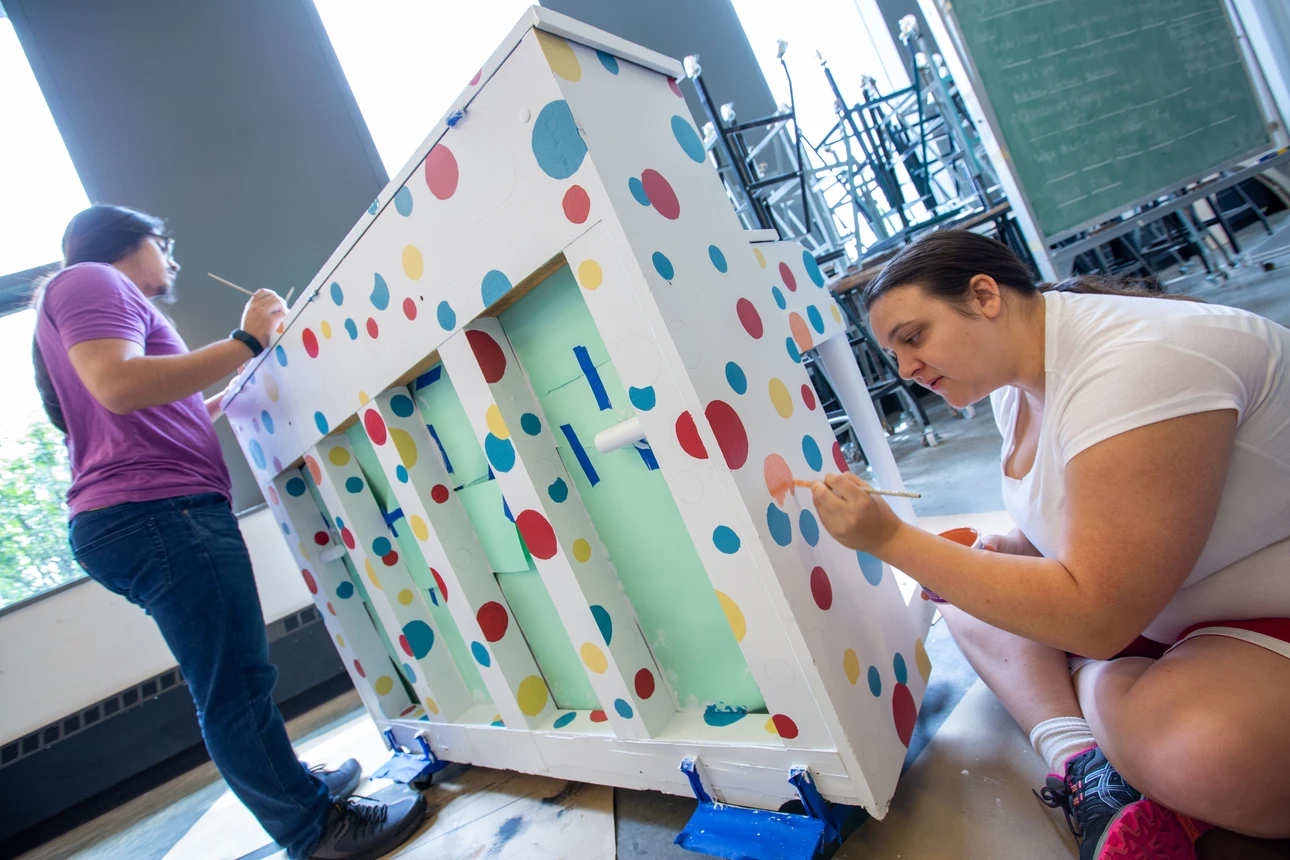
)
(1146, 462)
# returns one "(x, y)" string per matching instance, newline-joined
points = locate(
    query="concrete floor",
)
(967, 789)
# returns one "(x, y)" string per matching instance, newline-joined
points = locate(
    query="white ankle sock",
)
(1058, 739)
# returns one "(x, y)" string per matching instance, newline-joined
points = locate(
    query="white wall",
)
(73, 648)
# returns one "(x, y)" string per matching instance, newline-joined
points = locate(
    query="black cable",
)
(797, 142)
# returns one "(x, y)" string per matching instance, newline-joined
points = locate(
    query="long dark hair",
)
(944, 263)
(100, 234)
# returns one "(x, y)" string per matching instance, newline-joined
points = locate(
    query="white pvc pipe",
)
(620, 435)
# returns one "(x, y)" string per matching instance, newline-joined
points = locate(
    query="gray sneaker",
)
(341, 782)
(360, 828)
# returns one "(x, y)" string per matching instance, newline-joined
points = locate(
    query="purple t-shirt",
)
(154, 453)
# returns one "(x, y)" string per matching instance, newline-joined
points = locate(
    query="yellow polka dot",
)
(325, 327)
(340, 640)
(560, 56)
(589, 274)
(594, 658)
(371, 574)
(405, 445)
(581, 550)
(734, 615)
(405, 596)
(496, 426)
(771, 727)
(921, 660)
(303, 554)
(431, 705)
(837, 314)
(761, 258)
(363, 398)
(413, 265)
(851, 665)
(270, 387)
(419, 527)
(781, 399)
(532, 695)
(383, 685)
(338, 455)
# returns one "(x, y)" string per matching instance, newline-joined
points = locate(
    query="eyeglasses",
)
(165, 243)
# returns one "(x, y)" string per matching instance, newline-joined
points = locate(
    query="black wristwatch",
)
(249, 339)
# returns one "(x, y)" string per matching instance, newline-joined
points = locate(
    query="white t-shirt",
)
(1113, 364)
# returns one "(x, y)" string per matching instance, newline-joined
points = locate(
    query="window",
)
(36, 202)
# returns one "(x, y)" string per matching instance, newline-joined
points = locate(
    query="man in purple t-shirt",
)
(151, 516)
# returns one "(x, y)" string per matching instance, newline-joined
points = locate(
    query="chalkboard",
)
(1103, 104)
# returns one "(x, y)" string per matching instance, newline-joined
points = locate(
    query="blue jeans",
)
(183, 560)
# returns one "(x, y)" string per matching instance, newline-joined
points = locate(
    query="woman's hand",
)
(1013, 543)
(855, 518)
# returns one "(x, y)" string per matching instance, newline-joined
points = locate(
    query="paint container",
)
(966, 536)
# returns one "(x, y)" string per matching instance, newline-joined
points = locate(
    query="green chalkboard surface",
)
(1102, 103)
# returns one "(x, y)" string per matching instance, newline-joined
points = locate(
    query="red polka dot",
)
(808, 396)
(787, 274)
(688, 435)
(310, 582)
(644, 683)
(311, 342)
(671, 82)
(598, 716)
(838, 459)
(331, 609)
(538, 535)
(749, 317)
(373, 330)
(785, 726)
(409, 308)
(438, 581)
(492, 361)
(358, 667)
(405, 645)
(439, 493)
(312, 465)
(375, 426)
(493, 620)
(660, 194)
(730, 433)
(348, 537)
(821, 588)
(409, 709)
(390, 559)
(576, 203)
(273, 496)
(904, 712)
(322, 538)
(441, 172)
(475, 79)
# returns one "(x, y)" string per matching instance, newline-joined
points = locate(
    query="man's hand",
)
(262, 314)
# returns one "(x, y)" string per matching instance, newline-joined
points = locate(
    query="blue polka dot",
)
(497, 722)
(320, 421)
(530, 424)
(809, 528)
(557, 144)
(792, 351)
(604, 622)
(718, 259)
(609, 61)
(719, 716)
(381, 546)
(725, 540)
(280, 354)
(688, 138)
(447, 316)
(481, 654)
(267, 420)
(875, 681)
(558, 491)
(409, 674)
(781, 527)
(401, 473)
(345, 590)
(811, 451)
(494, 286)
(351, 329)
(296, 487)
(778, 295)
(340, 524)
(380, 293)
(374, 208)
(354, 485)
(812, 269)
(624, 710)
(337, 294)
(564, 720)
(500, 453)
(257, 454)
(286, 530)
(870, 567)
(402, 405)
(898, 664)
(642, 398)
(420, 638)
(735, 376)
(817, 321)
(663, 266)
(637, 188)
(403, 201)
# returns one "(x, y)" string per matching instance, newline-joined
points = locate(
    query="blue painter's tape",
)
(430, 377)
(647, 454)
(593, 377)
(447, 464)
(581, 453)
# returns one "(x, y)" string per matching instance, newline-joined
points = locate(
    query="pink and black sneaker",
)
(1112, 819)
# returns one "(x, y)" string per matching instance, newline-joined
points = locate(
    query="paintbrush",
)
(873, 491)
(231, 284)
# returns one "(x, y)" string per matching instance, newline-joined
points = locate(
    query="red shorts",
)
(1270, 633)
